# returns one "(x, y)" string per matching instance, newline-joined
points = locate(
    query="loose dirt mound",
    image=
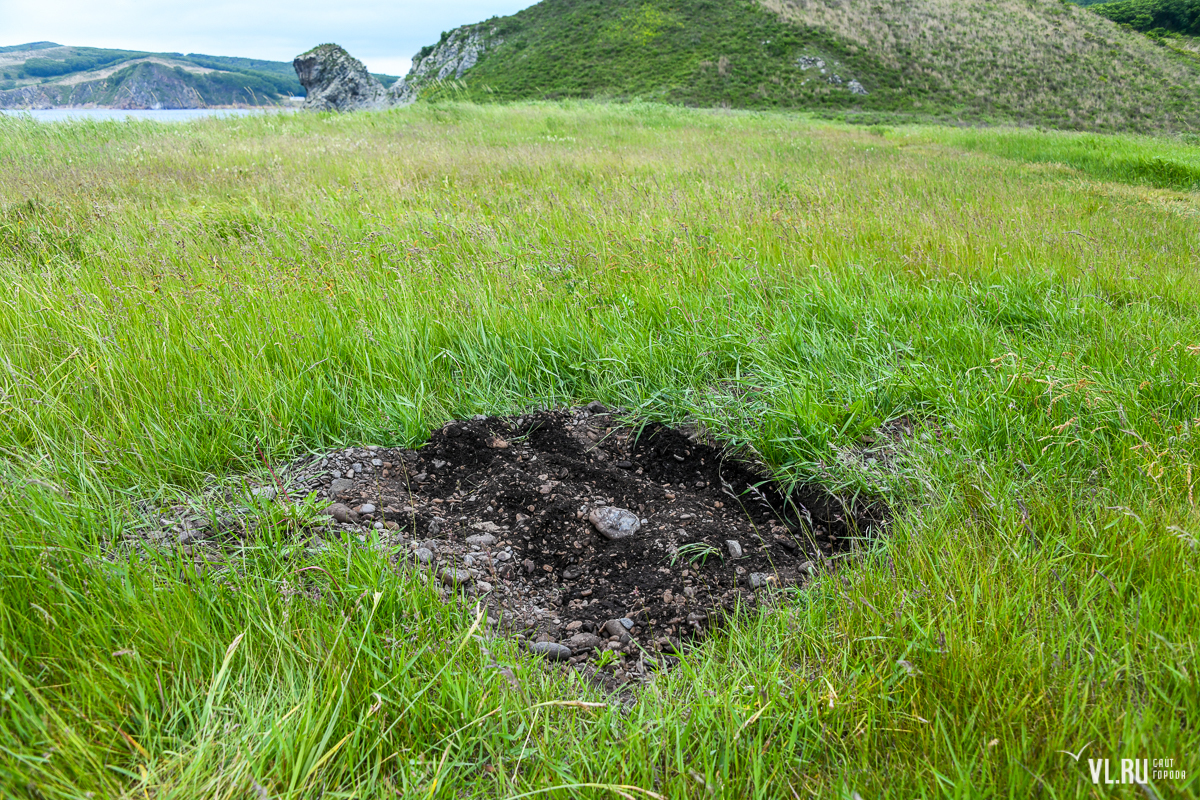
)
(502, 508)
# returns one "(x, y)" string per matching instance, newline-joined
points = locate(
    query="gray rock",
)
(366, 508)
(734, 547)
(357, 467)
(341, 485)
(337, 473)
(482, 539)
(267, 493)
(423, 555)
(856, 88)
(614, 523)
(596, 407)
(378, 526)
(341, 512)
(503, 556)
(434, 527)
(377, 462)
(584, 641)
(551, 650)
(483, 586)
(614, 627)
(336, 81)
(455, 577)
(626, 623)
(760, 579)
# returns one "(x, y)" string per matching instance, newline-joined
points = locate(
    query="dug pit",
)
(593, 537)
(586, 531)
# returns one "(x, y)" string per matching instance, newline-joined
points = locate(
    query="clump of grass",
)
(174, 296)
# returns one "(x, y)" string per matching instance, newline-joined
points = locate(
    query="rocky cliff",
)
(336, 81)
(450, 58)
(143, 86)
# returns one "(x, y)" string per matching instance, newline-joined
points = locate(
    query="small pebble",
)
(455, 577)
(734, 547)
(341, 512)
(760, 579)
(614, 523)
(551, 650)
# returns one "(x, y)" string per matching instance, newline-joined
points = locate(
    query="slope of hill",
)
(1024, 61)
(47, 75)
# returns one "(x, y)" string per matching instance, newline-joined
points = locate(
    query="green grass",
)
(175, 296)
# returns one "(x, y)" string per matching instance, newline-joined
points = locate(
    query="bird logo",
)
(1080, 754)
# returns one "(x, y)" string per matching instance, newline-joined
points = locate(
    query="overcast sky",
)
(384, 35)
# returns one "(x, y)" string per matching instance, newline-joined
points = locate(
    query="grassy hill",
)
(41, 74)
(1039, 62)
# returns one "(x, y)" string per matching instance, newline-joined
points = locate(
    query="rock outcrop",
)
(457, 52)
(336, 81)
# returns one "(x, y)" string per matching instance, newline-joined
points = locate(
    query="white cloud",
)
(384, 35)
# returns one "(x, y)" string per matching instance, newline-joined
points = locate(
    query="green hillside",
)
(1040, 62)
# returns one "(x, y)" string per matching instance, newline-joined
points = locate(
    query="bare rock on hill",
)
(457, 52)
(336, 81)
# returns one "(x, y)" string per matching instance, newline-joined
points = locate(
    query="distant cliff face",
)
(143, 86)
(336, 81)
(457, 52)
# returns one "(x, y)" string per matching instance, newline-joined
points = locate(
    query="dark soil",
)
(546, 573)
(498, 509)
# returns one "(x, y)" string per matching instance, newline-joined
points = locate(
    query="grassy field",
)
(995, 330)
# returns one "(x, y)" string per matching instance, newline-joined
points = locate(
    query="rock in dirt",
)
(455, 577)
(482, 539)
(596, 407)
(758, 580)
(584, 641)
(341, 486)
(551, 650)
(342, 513)
(423, 555)
(267, 493)
(617, 627)
(734, 547)
(614, 523)
(336, 81)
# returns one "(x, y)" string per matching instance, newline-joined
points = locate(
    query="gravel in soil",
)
(583, 530)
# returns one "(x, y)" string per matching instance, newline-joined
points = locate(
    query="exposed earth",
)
(583, 530)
